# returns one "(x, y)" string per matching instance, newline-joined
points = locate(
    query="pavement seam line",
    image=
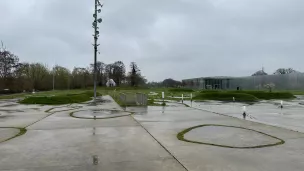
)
(39, 120)
(159, 143)
(21, 132)
(46, 116)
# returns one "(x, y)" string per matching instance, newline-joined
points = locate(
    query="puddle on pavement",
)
(5, 116)
(99, 114)
(10, 111)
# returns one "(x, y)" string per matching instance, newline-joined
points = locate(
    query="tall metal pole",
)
(95, 47)
(96, 35)
(53, 78)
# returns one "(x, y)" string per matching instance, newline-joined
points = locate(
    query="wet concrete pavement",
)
(61, 142)
(164, 126)
(144, 141)
(268, 112)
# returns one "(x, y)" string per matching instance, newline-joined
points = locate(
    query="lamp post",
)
(54, 78)
(96, 35)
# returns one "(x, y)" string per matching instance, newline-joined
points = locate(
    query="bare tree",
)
(281, 71)
(100, 71)
(81, 78)
(8, 63)
(62, 77)
(119, 71)
(134, 76)
(116, 71)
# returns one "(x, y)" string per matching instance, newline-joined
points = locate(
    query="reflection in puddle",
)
(95, 160)
(99, 114)
(94, 130)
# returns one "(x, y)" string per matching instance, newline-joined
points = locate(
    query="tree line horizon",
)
(18, 76)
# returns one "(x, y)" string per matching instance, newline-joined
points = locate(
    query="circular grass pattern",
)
(21, 132)
(107, 114)
(181, 136)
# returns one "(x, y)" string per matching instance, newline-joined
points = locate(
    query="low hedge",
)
(264, 95)
(181, 90)
(226, 96)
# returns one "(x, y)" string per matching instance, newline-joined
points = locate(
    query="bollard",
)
(281, 104)
(244, 112)
(233, 99)
(191, 96)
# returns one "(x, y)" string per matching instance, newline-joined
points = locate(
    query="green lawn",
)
(59, 99)
(79, 95)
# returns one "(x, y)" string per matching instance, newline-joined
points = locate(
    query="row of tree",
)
(18, 76)
(279, 71)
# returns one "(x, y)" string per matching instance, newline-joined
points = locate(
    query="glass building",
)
(293, 81)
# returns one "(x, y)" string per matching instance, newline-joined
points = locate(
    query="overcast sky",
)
(166, 38)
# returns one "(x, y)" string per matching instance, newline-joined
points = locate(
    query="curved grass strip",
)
(110, 117)
(181, 137)
(21, 132)
(72, 108)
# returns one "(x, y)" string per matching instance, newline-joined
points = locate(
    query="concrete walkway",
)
(145, 141)
(165, 124)
(60, 142)
(267, 112)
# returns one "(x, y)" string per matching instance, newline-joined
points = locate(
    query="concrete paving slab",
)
(197, 157)
(291, 117)
(153, 165)
(6, 133)
(63, 120)
(20, 120)
(68, 147)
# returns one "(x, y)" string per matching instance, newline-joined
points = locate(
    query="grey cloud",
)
(171, 38)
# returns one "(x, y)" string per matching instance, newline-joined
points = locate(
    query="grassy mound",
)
(264, 95)
(180, 90)
(60, 99)
(226, 96)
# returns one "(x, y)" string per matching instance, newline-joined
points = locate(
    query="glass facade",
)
(293, 81)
